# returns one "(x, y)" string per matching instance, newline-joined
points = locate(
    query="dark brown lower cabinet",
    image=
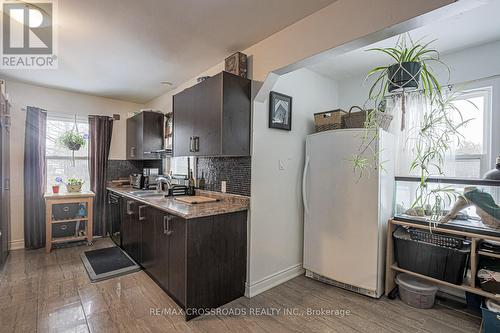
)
(131, 238)
(200, 263)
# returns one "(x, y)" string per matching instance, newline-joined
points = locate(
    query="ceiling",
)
(123, 49)
(474, 27)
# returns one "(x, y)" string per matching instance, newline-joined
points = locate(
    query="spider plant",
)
(406, 51)
(437, 132)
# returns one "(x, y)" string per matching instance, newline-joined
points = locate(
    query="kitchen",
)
(195, 199)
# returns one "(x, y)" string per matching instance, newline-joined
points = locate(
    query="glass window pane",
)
(470, 168)
(65, 169)
(57, 125)
(56, 128)
(473, 132)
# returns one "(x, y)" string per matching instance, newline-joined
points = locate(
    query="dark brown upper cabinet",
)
(212, 118)
(145, 135)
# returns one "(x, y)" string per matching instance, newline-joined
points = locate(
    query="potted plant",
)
(73, 184)
(432, 137)
(411, 67)
(73, 140)
(55, 188)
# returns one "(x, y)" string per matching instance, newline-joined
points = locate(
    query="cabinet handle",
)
(166, 225)
(191, 144)
(129, 208)
(141, 217)
(196, 143)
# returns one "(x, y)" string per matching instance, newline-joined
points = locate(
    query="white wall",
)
(53, 100)
(276, 231)
(320, 32)
(476, 63)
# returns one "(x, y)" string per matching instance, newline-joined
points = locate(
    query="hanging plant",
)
(410, 76)
(73, 140)
(410, 69)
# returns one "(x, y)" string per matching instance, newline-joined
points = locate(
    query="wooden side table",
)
(51, 199)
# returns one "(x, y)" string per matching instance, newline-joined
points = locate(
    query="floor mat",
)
(107, 263)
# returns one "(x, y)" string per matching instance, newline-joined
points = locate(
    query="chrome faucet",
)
(164, 180)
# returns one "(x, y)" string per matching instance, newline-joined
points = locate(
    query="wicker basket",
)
(383, 119)
(329, 120)
(354, 119)
(358, 119)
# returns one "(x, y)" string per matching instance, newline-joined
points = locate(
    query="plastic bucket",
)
(416, 292)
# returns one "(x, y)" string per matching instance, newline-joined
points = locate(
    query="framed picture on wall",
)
(280, 111)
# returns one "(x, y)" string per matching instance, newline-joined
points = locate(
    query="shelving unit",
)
(392, 268)
(52, 199)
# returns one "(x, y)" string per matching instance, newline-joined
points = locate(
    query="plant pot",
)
(55, 189)
(405, 75)
(74, 188)
(74, 146)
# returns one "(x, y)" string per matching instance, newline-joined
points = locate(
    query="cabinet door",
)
(177, 258)
(132, 230)
(152, 137)
(134, 138)
(126, 232)
(160, 269)
(207, 99)
(183, 123)
(148, 251)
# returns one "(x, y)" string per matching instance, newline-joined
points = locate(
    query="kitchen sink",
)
(147, 193)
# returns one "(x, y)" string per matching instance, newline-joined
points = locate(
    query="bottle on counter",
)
(201, 181)
(191, 184)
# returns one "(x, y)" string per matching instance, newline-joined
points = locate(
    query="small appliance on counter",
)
(137, 180)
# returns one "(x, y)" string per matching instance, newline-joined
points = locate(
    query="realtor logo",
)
(28, 35)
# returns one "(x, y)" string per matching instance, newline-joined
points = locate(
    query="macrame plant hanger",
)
(75, 130)
(401, 90)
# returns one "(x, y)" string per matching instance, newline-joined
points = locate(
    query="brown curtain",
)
(34, 178)
(100, 128)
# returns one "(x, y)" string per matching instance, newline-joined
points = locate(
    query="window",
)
(58, 158)
(472, 153)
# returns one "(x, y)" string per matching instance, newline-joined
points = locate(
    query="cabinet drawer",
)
(69, 229)
(65, 211)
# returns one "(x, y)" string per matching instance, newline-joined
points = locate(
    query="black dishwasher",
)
(114, 215)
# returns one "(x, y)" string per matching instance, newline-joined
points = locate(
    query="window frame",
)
(65, 118)
(484, 158)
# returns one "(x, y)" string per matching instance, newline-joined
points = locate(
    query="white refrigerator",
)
(345, 216)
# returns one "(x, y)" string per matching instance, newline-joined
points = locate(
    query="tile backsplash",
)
(124, 168)
(236, 171)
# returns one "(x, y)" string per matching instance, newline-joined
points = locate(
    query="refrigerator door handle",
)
(304, 192)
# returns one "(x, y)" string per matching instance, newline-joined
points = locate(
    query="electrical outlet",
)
(223, 186)
(281, 164)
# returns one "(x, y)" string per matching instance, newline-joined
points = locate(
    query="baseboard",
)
(273, 280)
(17, 244)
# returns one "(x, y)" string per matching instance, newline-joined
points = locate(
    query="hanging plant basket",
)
(72, 140)
(74, 146)
(403, 76)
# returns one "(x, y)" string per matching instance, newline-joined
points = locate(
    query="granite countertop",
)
(228, 203)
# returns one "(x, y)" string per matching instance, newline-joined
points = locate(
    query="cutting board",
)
(196, 199)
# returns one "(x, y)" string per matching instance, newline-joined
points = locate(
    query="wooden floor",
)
(52, 293)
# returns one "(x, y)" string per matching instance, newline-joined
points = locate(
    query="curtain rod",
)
(113, 117)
